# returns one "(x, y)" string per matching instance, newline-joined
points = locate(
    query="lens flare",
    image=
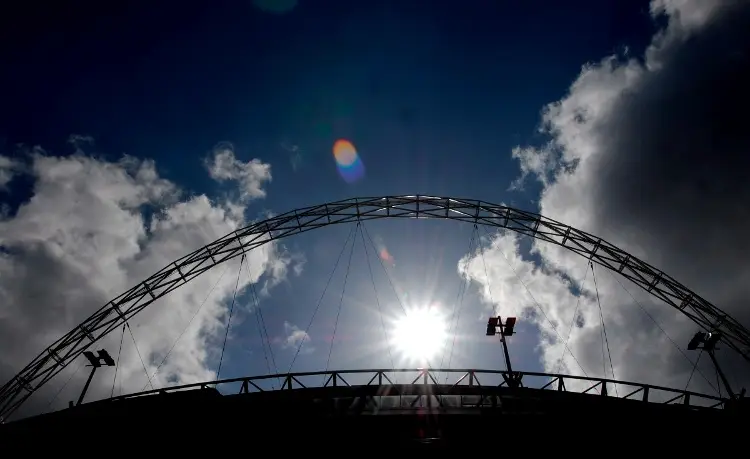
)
(348, 162)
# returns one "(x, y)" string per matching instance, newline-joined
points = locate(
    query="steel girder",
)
(110, 316)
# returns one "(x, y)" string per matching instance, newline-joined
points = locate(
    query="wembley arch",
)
(110, 316)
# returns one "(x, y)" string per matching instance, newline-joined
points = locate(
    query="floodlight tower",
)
(103, 359)
(707, 342)
(495, 326)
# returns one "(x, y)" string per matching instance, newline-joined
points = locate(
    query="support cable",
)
(558, 367)
(638, 303)
(458, 305)
(268, 341)
(57, 394)
(265, 341)
(229, 320)
(604, 330)
(195, 314)
(117, 365)
(377, 300)
(320, 300)
(390, 281)
(601, 336)
(484, 263)
(716, 370)
(539, 306)
(341, 299)
(139, 355)
(693, 371)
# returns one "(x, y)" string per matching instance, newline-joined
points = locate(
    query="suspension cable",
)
(458, 305)
(604, 329)
(320, 300)
(262, 341)
(57, 394)
(638, 303)
(265, 342)
(484, 263)
(184, 330)
(268, 341)
(716, 370)
(539, 306)
(558, 367)
(139, 355)
(694, 367)
(390, 282)
(229, 320)
(117, 365)
(388, 276)
(377, 300)
(341, 299)
(601, 335)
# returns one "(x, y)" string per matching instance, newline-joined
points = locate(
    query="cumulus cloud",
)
(295, 336)
(279, 268)
(651, 154)
(223, 166)
(83, 238)
(539, 163)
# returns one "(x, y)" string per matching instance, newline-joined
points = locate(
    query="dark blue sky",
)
(433, 94)
(434, 98)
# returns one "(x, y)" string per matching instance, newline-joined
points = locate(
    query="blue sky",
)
(434, 99)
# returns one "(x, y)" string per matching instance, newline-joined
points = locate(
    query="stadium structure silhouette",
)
(390, 406)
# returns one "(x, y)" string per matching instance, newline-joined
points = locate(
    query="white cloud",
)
(539, 293)
(539, 163)
(278, 269)
(295, 337)
(686, 15)
(82, 239)
(651, 156)
(251, 176)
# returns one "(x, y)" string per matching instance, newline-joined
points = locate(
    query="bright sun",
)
(421, 333)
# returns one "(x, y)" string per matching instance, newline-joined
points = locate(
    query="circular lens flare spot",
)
(348, 162)
(344, 152)
(421, 334)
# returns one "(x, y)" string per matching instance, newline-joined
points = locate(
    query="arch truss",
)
(109, 317)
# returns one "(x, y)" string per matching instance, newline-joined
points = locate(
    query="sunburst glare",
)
(421, 333)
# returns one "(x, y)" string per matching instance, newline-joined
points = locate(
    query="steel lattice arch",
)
(112, 315)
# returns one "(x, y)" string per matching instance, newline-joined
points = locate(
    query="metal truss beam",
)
(424, 391)
(109, 317)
